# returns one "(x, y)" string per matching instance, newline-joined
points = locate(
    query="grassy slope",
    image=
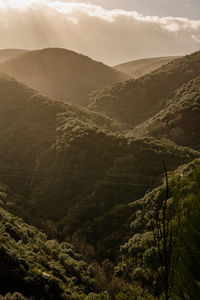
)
(134, 101)
(61, 74)
(141, 67)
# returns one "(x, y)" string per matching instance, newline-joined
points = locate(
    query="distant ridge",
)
(141, 67)
(7, 54)
(136, 100)
(61, 74)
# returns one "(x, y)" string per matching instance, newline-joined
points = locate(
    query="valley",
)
(82, 148)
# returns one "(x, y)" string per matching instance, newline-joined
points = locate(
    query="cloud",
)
(111, 36)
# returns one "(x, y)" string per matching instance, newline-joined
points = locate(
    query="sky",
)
(162, 8)
(111, 31)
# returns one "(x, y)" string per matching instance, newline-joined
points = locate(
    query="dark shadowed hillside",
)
(141, 67)
(61, 74)
(52, 153)
(35, 266)
(28, 122)
(7, 54)
(180, 120)
(134, 101)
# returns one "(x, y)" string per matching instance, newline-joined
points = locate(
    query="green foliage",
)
(142, 262)
(53, 153)
(79, 181)
(15, 296)
(187, 193)
(39, 267)
(179, 120)
(96, 215)
(101, 296)
(135, 101)
(133, 293)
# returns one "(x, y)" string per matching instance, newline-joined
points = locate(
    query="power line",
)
(73, 179)
(84, 172)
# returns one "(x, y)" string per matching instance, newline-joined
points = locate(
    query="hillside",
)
(141, 67)
(179, 121)
(61, 74)
(99, 164)
(71, 174)
(52, 153)
(28, 122)
(7, 54)
(134, 101)
(35, 266)
(182, 222)
(119, 178)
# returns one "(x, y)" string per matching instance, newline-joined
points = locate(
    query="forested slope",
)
(179, 121)
(35, 266)
(144, 253)
(70, 169)
(134, 101)
(72, 173)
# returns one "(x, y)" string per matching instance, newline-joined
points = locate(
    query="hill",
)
(141, 67)
(179, 121)
(74, 176)
(61, 74)
(28, 121)
(7, 54)
(71, 169)
(134, 101)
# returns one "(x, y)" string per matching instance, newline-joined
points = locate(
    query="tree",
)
(165, 236)
(187, 277)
